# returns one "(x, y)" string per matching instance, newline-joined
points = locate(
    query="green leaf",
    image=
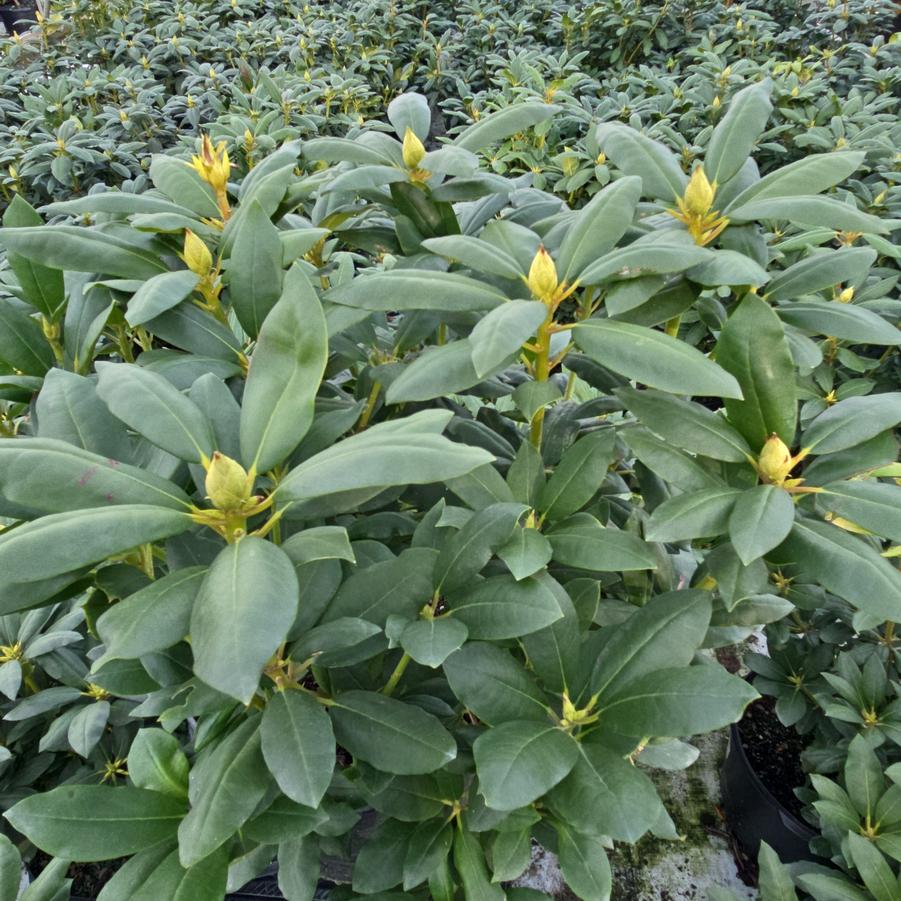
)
(526, 474)
(578, 476)
(501, 607)
(588, 545)
(774, 879)
(56, 477)
(369, 459)
(821, 270)
(96, 822)
(63, 542)
(839, 320)
(666, 632)
(816, 212)
(283, 821)
(437, 371)
(809, 175)
(160, 293)
(636, 154)
(10, 868)
(410, 111)
(473, 253)
(429, 846)
(605, 795)
(285, 371)
(22, 343)
(504, 122)
(149, 404)
(431, 641)
(469, 861)
(255, 268)
(182, 184)
(413, 289)
(876, 874)
(204, 881)
(760, 520)
(298, 868)
(874, 505)
(231, 641)
(845, 565)
(687, 425)
(696, 514)
(584, 864)
(832, 888)
(520, 760)
(657, 253)
(76, 249)
(502, 332)
(227, 784)
(526, 552)
(852, 421)
(87, 726)
(511, 854)
(493, 685)
(152, 619)
(752, 347)
(156, 762)
(394, 737)
(380, 862)
(597, 227)
(135, 872)
(653, 358)
(735, 134)
(298, 746)
(320, 543)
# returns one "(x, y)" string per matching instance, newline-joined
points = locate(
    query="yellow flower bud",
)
(197, 255)
(542, 279)
(775, 461)
(414, 150)
(213, 164)
(699, 193)
(846, 296)
(228, 484)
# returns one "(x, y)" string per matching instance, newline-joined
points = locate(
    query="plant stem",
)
(542, 373)
(396, 676)
(368, 410)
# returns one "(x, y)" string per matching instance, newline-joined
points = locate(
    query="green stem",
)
(368, 410)
(672, 326)
(396, 676)
(542, 373)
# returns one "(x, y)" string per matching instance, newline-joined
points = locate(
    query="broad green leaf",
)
(76, 249)
(182, 184)
(255, 268)
(469, 862)
(160, 293)
(821, 270)
(636, 154)
(410, 111)
(845, 565)
(686, 700)
(22, 343)
(63, 542)
(285, 370)
(851, 422)
(664, 633)
(149, 404)
(526, 552)
(227, 784)
(369, 459)
(87, 312)
(875, 872)
(298, 746)
(319, 543)
(520, 760)
(42, 287)
(283, 821)
(673, 466)
(588, 545)
(204, 881)
(735, 134)
(298, 868)
(810, 175)
(502, 332)
(658, 253)
(493, 685)
(687, 425)
(189, 328)
(774, 879)
(696, 514)
(152, 619)
(431, 641)
(511, 854)
(504, 122)
(380, 862)
(96, 822)
(466, 552)
(824, 212)
(606, 795)
(231, 641)
(156, 762)
(578, 476)
(584, 864)
(846, 322)
(473, 253)
(597, 227)
(55, 477)
(135, 872)
(653, 358)
(394, 737)
(874, 505)
(401, 585)
(526, 474)
(413, 289)
(429, 846)
(760, 520)
(10, 869)
(344, 150)
(501, 607)
(87, 726)
(752, 347)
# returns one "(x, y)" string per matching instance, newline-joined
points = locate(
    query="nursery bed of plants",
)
(404, 416)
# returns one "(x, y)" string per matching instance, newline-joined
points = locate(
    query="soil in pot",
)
(774, 752)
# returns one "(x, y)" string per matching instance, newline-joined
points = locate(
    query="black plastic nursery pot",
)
(18, 18)
(755, 815)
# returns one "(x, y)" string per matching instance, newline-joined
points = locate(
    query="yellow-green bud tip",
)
(543, 276)
(775, 461)
(228, 484)
(197, 255)
(414, 149)
(699, 193)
